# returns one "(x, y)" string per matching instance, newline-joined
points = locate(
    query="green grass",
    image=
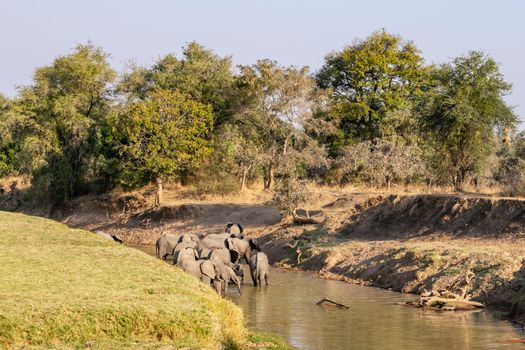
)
(65, 288)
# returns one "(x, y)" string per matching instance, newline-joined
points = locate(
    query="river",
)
(373, 321)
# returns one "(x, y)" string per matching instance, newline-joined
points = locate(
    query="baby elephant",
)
(259, 269)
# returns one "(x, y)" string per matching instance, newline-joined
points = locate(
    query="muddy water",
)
(288, 308)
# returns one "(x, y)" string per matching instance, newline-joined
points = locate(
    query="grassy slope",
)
(63, 288)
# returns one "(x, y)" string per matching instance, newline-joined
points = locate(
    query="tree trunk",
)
(268, 177)
(243, 179)
(285, 147)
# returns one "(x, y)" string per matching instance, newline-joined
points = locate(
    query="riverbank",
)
(406, 242)
(68, 288)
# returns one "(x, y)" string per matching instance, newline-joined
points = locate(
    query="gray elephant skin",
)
(239, 248)
(167, 242)
(259, 267)
(205, 270)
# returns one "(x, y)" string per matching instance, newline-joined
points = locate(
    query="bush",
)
(289, 191)
(378, 163)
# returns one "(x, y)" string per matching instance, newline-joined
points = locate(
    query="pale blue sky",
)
(291, 32)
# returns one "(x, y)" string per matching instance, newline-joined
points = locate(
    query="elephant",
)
(241, 248)
(183, 245)
(227, 274)
(165, 244)
(213, 240)
(189, 237)
(234, 229)
(259, 269)
(239, 271)
(221, 255)
(204, 253)
(205, 270)
(185, 252)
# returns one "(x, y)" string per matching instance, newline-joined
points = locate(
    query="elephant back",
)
(208, 269)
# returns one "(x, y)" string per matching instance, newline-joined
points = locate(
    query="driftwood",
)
(445, 300)
(302, 216)
(297, 249)
(330, 303)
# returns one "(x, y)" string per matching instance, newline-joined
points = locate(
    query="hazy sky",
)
(289, 31)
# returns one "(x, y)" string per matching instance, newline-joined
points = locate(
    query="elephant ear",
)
(208, 269)
(231, 273)
(254, 245)
(240, 228)
(205, 253)
(234, 256)
(228, 227)
(230, 244)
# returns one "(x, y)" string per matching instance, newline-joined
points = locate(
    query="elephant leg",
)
(218, 286)
(266, 278)
(261, 279)
(254, 278)
(224, 287)
(238, 284)
(206, 280)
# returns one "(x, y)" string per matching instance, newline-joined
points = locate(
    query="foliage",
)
(370, 82)
(510, 172)
(461, 112)
(275, 113)
(289, 192)
(162, 136)
(59, 117)
(8, 148)
(380, 163)
(200, 74)
(234, 161)
(373, 113)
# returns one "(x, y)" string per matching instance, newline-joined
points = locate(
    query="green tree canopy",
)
(276, 106)
(160, 137)
(462, 112)
(60, 115)
(200, 74)
(368, 80)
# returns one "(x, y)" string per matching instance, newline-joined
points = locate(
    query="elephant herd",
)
(215, 259)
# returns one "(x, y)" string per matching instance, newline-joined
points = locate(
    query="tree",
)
(8, 148)
(369, 81)
(163, 136)
(290, 191)
(59, 116)
(200, 74)
(380, 163)
(461, 113)
(275, 110)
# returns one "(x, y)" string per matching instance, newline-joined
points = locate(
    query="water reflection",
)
(287, 307)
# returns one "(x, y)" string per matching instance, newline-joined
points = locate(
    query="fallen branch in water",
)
(331, 303)
(446, 300)
(297, 249)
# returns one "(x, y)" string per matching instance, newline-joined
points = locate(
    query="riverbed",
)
(373, 321)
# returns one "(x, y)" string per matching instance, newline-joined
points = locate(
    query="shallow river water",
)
(288, 308)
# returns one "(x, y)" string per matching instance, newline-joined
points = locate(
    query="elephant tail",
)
(157, 249)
